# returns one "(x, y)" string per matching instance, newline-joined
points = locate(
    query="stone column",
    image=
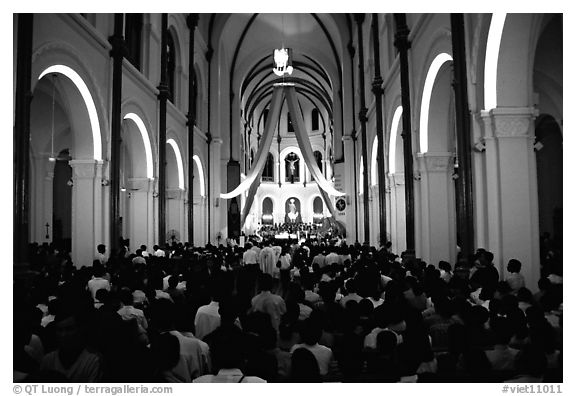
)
(349, 185)
(83, 211)
(141, 213)
(512, 195)
(438, 222)
(397, 213)
(217, 169)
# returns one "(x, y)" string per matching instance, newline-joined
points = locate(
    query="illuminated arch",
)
(200, 173)
(393, 134)
(426, 96)
(491, 60)
(146, 139)
(88, 101)
(174, 146)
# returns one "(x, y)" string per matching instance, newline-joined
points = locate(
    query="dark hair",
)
(531, 360)
(311, 332)
(101, 248)
(173, 281)
(165, 349)
(514, 265)
(266, 282)
(126, 296)
(304, 367)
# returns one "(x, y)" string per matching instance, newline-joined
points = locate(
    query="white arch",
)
(88, 101)
(491, 60)
(201, 174)
(174, 145)
(393, 134)
(146, 139)
(427, 95)
(374, 162)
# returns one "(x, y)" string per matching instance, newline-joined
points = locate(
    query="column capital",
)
(141, 184)
(84, 169)
(435, 162)
(509, 122)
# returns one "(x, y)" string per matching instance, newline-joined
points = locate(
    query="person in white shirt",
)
(144, 250)
(127, 310)
(139, 259)
(250, 257)
(194, 360)
(320, 259)
(310, 336)
(352, 295)
(229, 359)
(267, 263)
(333, 258)
(97, 282)
(269, 303)
(101, 254)
(158, 252)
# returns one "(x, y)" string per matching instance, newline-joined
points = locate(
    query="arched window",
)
(315, 119)
(133, 37)
(318, 158)
(171, 66)
(268, 173)
(267, 211)
(289, 120)
(317, 210)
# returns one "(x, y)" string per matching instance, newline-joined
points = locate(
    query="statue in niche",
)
(292, 211)
(292, 168)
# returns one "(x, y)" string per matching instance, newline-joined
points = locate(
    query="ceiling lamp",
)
(283, 62)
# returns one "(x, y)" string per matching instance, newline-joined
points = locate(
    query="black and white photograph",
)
(288, 198)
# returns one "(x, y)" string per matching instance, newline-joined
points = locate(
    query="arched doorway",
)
(62, 202)
(65, 142)
(267, 211)
(318, 210)
(436, 222)
(136, 183)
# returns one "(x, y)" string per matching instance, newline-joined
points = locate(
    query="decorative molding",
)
(83, 169)
(140, 184)
(511, 126)
(436, 162)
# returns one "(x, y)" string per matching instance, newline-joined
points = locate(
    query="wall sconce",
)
(70, 182)
(417, 176)
(105, 182)
(479, 147)
(538, 146)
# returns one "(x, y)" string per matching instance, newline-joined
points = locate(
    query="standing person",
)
(269, 303)
(101, 254)
(267, 263)
(515, 279)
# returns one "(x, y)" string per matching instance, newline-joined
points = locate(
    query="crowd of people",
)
(283, 312)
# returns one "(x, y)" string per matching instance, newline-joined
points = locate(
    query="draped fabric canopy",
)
(265, 143)
(252, 181)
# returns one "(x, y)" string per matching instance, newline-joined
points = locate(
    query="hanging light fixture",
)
(52, 157)
(283, 58)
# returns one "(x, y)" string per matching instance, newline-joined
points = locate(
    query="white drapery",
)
(264, 149)
(252, 181)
